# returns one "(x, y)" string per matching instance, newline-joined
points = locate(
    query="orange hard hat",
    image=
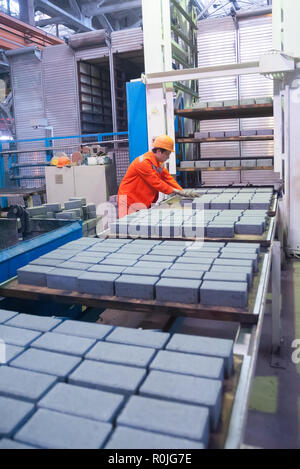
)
(164, 142)
(63, 161)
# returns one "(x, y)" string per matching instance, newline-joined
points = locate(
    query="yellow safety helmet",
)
(54, 161)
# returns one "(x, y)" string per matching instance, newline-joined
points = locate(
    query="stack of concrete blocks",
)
(168, 271)
(233, 102)
(74, 385)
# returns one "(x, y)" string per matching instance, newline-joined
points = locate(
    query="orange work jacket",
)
(143, 181)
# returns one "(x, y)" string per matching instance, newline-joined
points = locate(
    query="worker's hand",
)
(189, 194)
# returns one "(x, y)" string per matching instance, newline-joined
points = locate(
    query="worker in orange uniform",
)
(146, 177)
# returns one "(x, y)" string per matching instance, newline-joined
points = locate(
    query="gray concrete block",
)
(208, 346)
(65, 215)
(217, 163)
(215, 104)
(54, 430)
(241, 256)
(35, 323)
(220, 205)
(168, 418)
(226, 277)
(248, 163)
(102, 250)
(232, 133)
(182, 274)
(97, 283)
(193, 267)
(109, 377)
(267, 100)
(259, 205)
(17, 336)
(232, 294)
(11, 352)
(185, 389)
(23, 384)
(189, 364)
(157, 258)
(250, 228)
(121, 354)
(6, 315)
(153, 265)
(84, 329)
(232, 163)
(187, 164)
(118, 261)
(201, 164)
(75, 265)
(73, 204)
(60, 254)
(82, 199)
(88, 258)
(265, 162)
(6, 443)
(63, 343)
(255, 246)
(248, 133)
(167, 251)
(121, 255)
(200, 135)
(265, 132)
(236, 204)
(247, 101)
(63, 279)
(237, 269)
(131, 286)
(47, 262)
(13, 414)
(34, 275)
(53, 207)
(114, 269)
(143, 271)
(138, 337)
(130, 438)
(51, 363)
(205, 258)
(178, 290)
(220, 231)
(82, 402)
(37, 211)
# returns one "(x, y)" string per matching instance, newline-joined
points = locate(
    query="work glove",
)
(187, 193)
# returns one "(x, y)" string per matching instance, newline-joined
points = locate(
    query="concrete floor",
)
(274, 409)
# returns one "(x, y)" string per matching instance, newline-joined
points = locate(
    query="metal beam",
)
(245, 68)
(95, 8)
(46, 22)
(84, 24)
(75, 7)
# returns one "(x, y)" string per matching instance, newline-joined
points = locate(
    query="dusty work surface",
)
(12, 289)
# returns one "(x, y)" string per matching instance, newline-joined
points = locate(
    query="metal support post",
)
(277, 342)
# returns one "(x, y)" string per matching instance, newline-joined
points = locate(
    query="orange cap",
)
(165, 142)
(63, 161)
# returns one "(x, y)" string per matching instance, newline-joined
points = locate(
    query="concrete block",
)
(232, 163)
(138, 337)
(51, 363)
(208, 346)
(205, 258)
(63, 279)
(236, 204)
(35, 323)
(232, 294)
(265, 162)
(82, 402)
(54, 430)
(250, 228)
(265, 132)
(13, 414)
(254, 246)
(220, 205)
(121, 354)
(84, 329)
(178, 290)
(182, 274)
(47, 262)
(200, 135)
(220, 231)
(215, 104)
(248, 163)
(226, 277)
(185, 389)
(109, 377)
(121, 255)
(153, 265)
(143, 271)
(90, 258)
(65, 215)
(232, 133)
(53, 207)
(97, 283)
(231, 102)
(240, 256)
(122, 262)
(201, 164)
(73, 204)
(189, 364)
(102, 249)
(17, 336)
(267, 100)
(192, 267)
(81, 266)
(187, 164)
(247, 101)
(217, 163)
(6, 315)
(34, 275)
(114, 269)
(157, 258)
(166, 251)
(37, 211)
(60, 254)
(168, 418)
(237, 269)
(11, 352)
(131, 286)
(248, 133)
(62, 343)
(259, 205)
(6, 443)
(82, 199)
(130, 438)
(25, 385)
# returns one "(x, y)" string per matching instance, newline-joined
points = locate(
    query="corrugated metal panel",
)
(26, 76)
(61, 90)
(261, 177)
(255, 36)
(91, 53)
(217, 46)
(221, 178)
(127, 40)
